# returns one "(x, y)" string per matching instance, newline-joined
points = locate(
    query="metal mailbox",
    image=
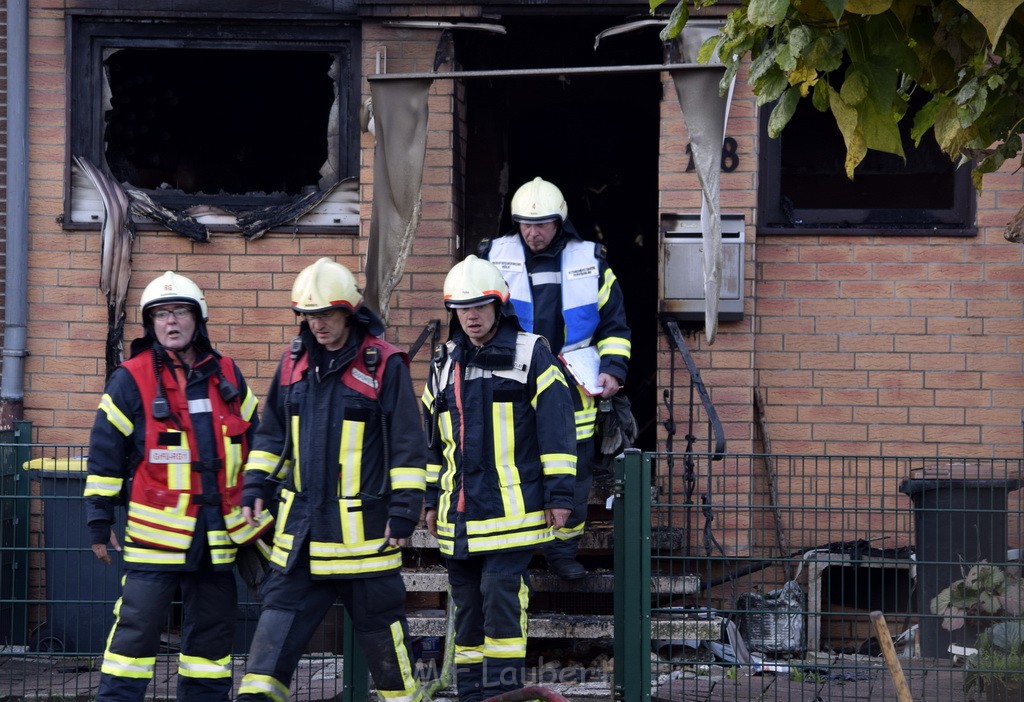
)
(682, 266)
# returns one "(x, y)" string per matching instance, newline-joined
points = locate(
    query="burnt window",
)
(230, 115)
(804, 188)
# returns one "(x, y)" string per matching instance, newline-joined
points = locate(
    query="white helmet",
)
(539, 201)
(323, 286)
(171, 287)
(474, 282)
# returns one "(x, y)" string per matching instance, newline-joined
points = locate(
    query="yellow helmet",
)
(171, 287)
(474, 282)
(323, 286)
(539, 201)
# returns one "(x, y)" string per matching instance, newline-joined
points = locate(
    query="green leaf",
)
(855, 87)
(993, 15)
(846, 119)
(706, 52)
(767, 13)
(676, 21)
(868, 7)
(770, 86)
(782, 112)
(925, 119)
(835, 7)
(819, 98)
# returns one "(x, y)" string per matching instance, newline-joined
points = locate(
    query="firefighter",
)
(563, 289)
(170, 437)
(342, 437)
(501, 471)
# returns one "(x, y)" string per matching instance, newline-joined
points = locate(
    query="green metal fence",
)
(782, 557)
(792, 554)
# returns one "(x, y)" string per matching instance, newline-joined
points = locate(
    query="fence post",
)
(632, 561)
(14, 533)
(355, 675)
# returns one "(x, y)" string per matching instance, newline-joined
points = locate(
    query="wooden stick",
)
(889, 652)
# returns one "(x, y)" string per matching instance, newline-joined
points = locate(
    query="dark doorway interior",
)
(596, 137)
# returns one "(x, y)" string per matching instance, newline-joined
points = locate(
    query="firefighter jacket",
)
(350, 439)
(569, 295)
(502, 442)
(180, 469)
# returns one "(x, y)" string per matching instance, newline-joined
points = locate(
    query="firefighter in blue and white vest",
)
(170, 438)
(342, 436)
(563, 289)
(501, 472)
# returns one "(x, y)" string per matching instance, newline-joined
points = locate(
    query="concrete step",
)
(435, 579)
(598, 537)
(587, 626)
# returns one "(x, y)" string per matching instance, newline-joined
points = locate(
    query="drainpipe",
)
(12, 380)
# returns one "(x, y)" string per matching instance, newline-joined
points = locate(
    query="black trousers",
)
(294, 604)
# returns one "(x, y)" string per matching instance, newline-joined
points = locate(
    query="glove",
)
(401, 528)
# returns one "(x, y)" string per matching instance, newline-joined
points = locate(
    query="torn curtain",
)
(705, 113)
(400, 113)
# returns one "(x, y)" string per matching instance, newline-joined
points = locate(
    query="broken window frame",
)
(958, 219)
(91, 39)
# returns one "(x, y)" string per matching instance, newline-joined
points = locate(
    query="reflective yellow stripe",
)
(605, 292)
(137, 531)
(447, 478)
(218, 538)
(295, 472)
(503, 430)
(507, 541)
(179, 475)
(102, 486)
(232, 458)
(614, 346)
(389, 560)
(125, 667)
(410, 478)
(196, 667)
(253, 684)
(549, 377)
(468, 655)
(566, 533)
(433, 473)
(558, 463)
(136, 554)
(512, 522)
(249, 405)
(115, 416)
(410, 691)
(170, 517)
(261, 460)
(505, 648)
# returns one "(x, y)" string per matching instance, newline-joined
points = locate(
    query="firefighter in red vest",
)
(342, 443)
(171, 437)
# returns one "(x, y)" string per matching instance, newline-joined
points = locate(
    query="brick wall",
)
(864, 345)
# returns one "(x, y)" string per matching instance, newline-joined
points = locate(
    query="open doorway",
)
(594, 136)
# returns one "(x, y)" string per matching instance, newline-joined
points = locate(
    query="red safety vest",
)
(357, 376)
(166, 492)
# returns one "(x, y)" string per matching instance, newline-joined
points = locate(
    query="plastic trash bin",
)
(80, 589)
(957, 524)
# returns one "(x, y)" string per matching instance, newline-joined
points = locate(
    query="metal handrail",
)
(672, 329)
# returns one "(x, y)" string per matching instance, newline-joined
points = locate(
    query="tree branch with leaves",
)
(966, 54)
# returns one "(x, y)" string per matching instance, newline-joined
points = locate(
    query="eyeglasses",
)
(321, 316)
(178, 312)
